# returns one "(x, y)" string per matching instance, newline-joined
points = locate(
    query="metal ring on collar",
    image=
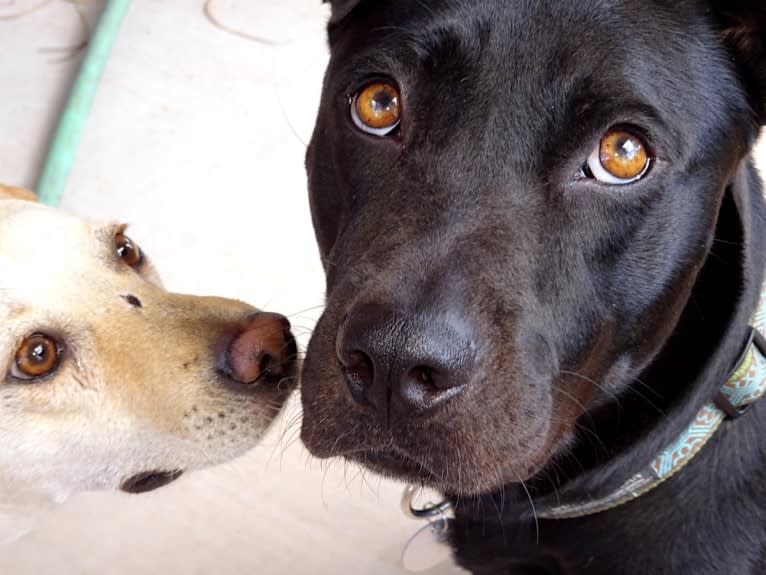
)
(408, 508)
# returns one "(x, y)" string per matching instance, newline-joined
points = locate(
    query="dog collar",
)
(745, 385)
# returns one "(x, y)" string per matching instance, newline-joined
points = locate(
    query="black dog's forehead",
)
(526, 66)
(533, 26)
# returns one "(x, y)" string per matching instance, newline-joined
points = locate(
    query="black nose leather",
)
(404, 363)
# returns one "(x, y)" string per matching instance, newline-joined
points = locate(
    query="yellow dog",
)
(107, 381)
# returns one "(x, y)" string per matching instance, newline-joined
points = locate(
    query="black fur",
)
(597, 319)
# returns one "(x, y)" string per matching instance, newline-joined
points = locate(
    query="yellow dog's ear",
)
(14, 193)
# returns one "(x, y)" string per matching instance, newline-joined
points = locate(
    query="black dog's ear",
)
(743, 25)
(341, 9)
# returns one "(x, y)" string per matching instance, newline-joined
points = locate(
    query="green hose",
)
(66, 138)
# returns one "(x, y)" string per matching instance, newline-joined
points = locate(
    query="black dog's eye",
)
(376, 110)
(620, 158)
(127, 250)
(37, 356)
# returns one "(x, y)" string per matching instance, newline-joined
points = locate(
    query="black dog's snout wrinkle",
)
(404, 364)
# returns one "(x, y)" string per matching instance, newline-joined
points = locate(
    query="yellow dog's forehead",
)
(41, 248)
(26, 226)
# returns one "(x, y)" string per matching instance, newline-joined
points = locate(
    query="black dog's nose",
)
(406, 363)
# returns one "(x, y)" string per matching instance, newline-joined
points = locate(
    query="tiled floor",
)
(197, 138)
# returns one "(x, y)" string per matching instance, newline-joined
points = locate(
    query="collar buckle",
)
(721, 399)
(732, 412)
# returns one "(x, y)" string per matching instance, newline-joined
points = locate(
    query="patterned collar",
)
(745, 385)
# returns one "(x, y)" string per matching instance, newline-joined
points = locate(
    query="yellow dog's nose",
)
(262, 346)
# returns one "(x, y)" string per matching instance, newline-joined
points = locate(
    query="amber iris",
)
(127, 250)
(378, 106)
(623, 155)
(38, 355)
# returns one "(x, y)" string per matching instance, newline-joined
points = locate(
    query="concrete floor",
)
(197, 138)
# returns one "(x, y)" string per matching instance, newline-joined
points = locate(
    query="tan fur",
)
(16, 193)
(137, 389)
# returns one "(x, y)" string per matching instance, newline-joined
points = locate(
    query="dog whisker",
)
(290, 435)
(325, 466)
(289, 428)
(593, 382)
(727, 243)
(287, 119)
(616, 398)
(573, 399)
(722, 259)
(497, 508)
(580, 427)
(531, 504)
(286, 381)
(553, 484)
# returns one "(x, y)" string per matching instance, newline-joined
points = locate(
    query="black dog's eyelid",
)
(363, 80)
(585, 173)
(581, 179)
(394, 136)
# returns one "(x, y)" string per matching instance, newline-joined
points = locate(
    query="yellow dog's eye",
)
(37, 356)
(621, 157)
(127, 251)
(376, 109)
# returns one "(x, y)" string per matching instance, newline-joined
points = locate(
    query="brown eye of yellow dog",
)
(620, 158)
(376, 109)
(128, 251)
(38, 355)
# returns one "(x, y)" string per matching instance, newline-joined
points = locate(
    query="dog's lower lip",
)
(390, 462)
(149, 481)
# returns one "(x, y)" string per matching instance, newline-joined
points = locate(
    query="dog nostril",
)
(423, 376)
(408, 365)
(262, 348)
(423, 387)
(359, 373)
(266, 364)
(431, 379)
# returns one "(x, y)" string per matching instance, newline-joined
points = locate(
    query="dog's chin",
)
(393, 465)
(456, 470)
(386, 459)
(149, 480)
(399, 467)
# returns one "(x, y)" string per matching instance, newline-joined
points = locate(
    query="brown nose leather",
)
(260, 348)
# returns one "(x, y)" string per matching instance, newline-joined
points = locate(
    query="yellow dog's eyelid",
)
(106, 236)
(105, 233)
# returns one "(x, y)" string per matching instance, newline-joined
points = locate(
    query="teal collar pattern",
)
(745, 385)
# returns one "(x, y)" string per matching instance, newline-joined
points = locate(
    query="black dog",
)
(544, 240)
